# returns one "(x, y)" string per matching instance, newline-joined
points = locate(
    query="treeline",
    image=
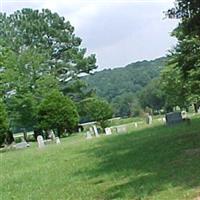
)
(131, 88)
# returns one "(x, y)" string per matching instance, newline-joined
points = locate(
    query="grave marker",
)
(108, 131)
(173, 118)
(40, 141)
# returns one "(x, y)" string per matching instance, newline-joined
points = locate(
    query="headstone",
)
(173, 118)
(91, 130)
(121, 129)
(88, 135)
(21, 145)
(95, 131)
(149, 119)
(40, 141)
(164, 119)
(136, 124)
(57, 140)
(184, 114)
(51, 135)
(108, 131)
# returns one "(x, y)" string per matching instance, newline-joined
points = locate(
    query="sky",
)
(119, 32)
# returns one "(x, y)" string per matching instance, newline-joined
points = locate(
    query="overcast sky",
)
(117, 31)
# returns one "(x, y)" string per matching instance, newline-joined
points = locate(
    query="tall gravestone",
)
(95, 131)
(57, 140)
(173, 118)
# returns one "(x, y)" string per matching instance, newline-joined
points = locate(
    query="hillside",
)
(112, 83)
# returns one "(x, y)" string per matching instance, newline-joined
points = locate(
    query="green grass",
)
(154, 163)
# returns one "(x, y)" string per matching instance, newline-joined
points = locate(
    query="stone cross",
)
(40, 141)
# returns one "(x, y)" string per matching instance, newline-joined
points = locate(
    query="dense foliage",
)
(121, 86)
(57, 112)
(95, 109)
(39, 52)
(185, 57)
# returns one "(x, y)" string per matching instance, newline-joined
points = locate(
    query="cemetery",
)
(98, 101)
(68, 165)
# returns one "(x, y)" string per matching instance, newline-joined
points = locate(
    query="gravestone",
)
(108, 131)
(40, 141)
(51, 135)
(95, 131)
(149, 119)
(184, 115)
(91, 130)
(121, 129)
(136, 124)
(164, 119)
(21, 145)
(88, 135)
(173, 118)
(57, 140)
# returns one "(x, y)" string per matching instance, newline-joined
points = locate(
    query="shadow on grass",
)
(146, 161)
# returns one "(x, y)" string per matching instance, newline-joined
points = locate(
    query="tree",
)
(3, 122)
(38, 49)
(49, 35)
(126, 105)
(95, 109)
(57, 112)
(152, 96)
(186, 55)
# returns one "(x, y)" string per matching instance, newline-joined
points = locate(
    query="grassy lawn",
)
(154, 163)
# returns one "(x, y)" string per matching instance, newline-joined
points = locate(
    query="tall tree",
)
(186, 55)
(51, 35)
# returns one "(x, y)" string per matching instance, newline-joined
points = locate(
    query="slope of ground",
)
(156, 162)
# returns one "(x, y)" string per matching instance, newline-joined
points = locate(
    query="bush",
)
(58, 112)
(95, 109)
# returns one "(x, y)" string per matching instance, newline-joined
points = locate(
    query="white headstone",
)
(150, 119)
(40, 141)
(95, 131)
(164, 119)
(21, 145)
(184, 114)
(136, 124)
(57, 140)
(88, 135)
(108, 131)
(52, 135)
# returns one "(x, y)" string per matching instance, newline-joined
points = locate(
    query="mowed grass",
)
(156, 162)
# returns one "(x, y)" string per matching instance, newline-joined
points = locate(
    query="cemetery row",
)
(91, 129)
